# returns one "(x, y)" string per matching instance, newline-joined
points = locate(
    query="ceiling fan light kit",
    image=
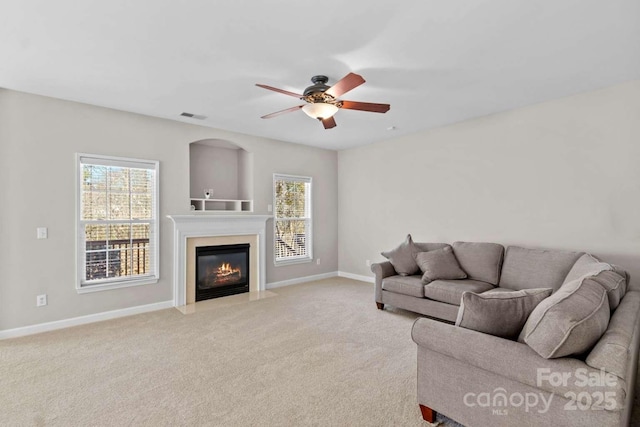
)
(320, 110)
(322, 100)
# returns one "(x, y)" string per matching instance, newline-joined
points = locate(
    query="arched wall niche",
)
(220, 165)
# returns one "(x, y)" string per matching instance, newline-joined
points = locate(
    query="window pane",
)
(290, 238)
(96, 265)
(291, 199)
(115, 264)
(141, 207)
(119, 206)
(141, 232)
(141, 181)
(94, 205)
(95, 237)
(94, 178)
(118, 180)
(140, 258)
(119, 236)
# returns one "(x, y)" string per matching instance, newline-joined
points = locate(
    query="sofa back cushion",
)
(615, 284)
(428, 246)
(569, 322)
(481, 261)
(525, 268)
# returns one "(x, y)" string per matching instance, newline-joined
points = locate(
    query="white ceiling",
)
(435, 62)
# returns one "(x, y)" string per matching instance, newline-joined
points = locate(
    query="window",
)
(117, 222)
(292, 222)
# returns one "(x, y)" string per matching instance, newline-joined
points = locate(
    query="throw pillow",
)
(586, 265)
(402, 257)
(499, 313)
(569, 322)
(439, 264)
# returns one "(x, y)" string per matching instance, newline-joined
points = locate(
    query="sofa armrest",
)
(382, 270)
(513, 360)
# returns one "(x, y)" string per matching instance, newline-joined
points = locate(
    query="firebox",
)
(221, 270)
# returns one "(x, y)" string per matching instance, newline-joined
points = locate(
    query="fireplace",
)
(221, 270)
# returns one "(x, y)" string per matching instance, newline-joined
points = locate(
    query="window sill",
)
(116, 285)
(292, 262)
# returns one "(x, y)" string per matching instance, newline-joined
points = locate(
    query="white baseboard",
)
(304, 279)
(83, 320)
(368, 279)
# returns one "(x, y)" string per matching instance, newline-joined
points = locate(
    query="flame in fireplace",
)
(226, 270)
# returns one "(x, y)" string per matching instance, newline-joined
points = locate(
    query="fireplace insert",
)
(221, 271)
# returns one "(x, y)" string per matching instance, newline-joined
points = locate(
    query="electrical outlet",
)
(270, 208)
(41, 300)
(41, 232)
(318, 261)
(368, 262)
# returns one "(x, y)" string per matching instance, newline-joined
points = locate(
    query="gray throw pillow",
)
(586, 265)
(439, 264)
(403, 257)
(499, 313)
(570, 321)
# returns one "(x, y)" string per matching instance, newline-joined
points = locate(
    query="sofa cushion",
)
(535, 268)
(481, 261)
(502, 314)
(402, 257)
(406, 285)
(615, 284)
(428, 246)
(490, 291)
(586, 265)
(450, 291)
(568, 322)
(439, 264)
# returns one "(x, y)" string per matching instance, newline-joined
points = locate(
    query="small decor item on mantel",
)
(208, 192)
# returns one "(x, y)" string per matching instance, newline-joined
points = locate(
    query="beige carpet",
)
(315, 354)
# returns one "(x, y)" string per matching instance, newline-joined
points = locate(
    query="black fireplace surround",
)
(221, 271)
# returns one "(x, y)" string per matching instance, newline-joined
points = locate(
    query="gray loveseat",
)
(479, 379)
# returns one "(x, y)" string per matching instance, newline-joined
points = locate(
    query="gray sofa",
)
(479, 379)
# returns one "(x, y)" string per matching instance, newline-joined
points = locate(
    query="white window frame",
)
(84, 286)
(309, 219)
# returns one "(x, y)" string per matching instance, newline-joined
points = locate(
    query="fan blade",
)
(277, 113)
(366, 106)
(348, 82)
(329, 123)
(275, 89)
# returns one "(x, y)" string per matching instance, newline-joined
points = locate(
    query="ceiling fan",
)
(322, 101)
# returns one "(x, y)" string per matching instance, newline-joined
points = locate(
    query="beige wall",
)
(562, 174)
(38, 139)
(215, 168)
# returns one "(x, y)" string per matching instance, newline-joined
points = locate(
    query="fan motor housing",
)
(319, 85)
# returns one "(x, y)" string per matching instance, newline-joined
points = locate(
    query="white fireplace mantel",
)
(203, 225)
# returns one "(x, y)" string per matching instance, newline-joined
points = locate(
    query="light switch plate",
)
(42, 232)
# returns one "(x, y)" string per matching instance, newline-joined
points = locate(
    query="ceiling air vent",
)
(194, 116)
